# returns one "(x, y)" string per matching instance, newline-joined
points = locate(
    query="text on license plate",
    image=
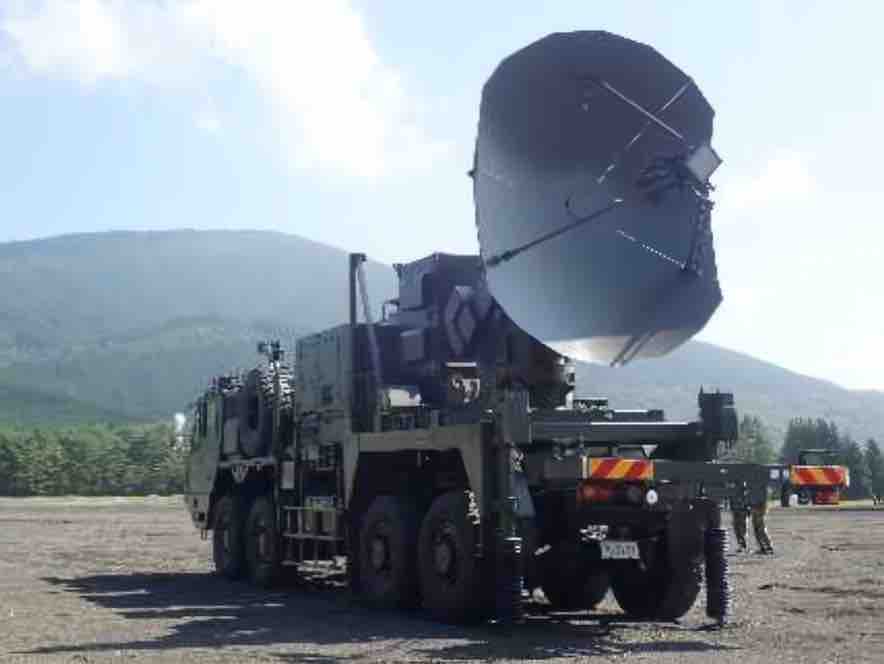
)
(614, 550)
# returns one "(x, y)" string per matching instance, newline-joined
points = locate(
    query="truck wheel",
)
(353, 558)
(262, 543)
(387, 551)
(450, 573)
(255, 410)
(666, 591)
(227, 538)
(568, 580)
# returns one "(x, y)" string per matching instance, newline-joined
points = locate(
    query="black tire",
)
(666, 591)
(255, 410)
(530, 562)
(353, 558)
(387, 552)
(451, 579)
(228, 550)
(262, 545)
(569, 580)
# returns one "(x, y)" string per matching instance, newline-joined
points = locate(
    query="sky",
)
(353, 123)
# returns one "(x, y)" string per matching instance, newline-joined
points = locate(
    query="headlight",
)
(651, 497)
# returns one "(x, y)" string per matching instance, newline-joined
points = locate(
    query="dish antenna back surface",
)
(591, 190)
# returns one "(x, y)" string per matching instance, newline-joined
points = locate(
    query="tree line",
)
(137, 460)
(865, 462)
(91, 460)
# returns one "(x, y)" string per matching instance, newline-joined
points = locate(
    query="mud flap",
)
(687, 524)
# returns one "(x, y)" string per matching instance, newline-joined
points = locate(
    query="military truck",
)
(452, 467)
(440, 451)
(816, 479)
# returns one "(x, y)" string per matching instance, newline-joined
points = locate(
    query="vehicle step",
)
(317, 538)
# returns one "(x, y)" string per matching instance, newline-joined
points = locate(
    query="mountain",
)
(760, 388)
(134, 322)
(129, 325)
(24, 406)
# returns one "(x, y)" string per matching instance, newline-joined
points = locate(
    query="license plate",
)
(614, 550)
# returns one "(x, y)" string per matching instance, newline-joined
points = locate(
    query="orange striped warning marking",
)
(816, 475)
(613, 468)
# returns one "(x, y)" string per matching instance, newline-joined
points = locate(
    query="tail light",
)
(634, 493)
(592, 492)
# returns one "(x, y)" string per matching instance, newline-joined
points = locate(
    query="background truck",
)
(816, 479)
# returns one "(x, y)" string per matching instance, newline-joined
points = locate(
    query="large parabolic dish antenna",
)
(591, 191)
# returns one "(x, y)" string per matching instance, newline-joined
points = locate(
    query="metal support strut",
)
(509, 562)
(512, 253)
(718, 589)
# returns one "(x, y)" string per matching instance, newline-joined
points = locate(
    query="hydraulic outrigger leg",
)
(718, 590)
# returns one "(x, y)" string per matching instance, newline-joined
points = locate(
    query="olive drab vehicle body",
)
(420, 460)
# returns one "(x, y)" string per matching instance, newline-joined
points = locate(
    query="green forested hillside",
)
(22, 406)
(108, 288)
(128, 326)
(766, 390)
(153, 373)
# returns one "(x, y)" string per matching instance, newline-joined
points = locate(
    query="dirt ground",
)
(94, 580)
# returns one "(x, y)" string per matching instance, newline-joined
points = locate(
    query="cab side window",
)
(195, 437)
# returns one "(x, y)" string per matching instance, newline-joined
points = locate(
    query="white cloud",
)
(339, 107)
(783, 178)
(207, 118)
(72, 39)
(799, 261)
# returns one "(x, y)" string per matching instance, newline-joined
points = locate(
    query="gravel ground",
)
(95, 580)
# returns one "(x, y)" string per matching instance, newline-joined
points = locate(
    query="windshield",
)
(817, 458)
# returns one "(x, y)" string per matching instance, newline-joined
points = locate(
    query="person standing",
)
(741, 508)
(759, 512)
(739, 518)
